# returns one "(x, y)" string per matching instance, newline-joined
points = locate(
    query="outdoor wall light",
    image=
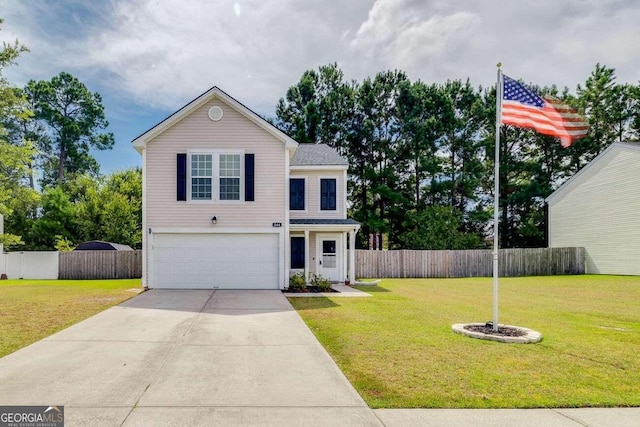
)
(214, 220)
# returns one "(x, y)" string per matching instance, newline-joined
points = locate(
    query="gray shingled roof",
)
(323, 221)
(317, 155)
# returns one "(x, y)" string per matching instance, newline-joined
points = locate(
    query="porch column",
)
(344, 255)
(306, 255)
(352, 256)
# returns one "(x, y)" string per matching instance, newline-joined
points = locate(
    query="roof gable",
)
(213, 93)
(585, 173)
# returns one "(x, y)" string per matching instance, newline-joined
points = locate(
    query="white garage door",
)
(215, 261)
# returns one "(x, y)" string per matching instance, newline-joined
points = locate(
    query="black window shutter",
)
(249, 177)
(323, 195)
(297, 252)
(296, 194)
(328, 194)
(332, 195)
(181, 177)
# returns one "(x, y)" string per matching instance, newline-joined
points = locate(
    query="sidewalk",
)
(575, 417)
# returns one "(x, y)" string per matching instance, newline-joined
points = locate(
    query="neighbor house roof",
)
(583, 173)
(317, 155)
(98, 245)
(213, 93)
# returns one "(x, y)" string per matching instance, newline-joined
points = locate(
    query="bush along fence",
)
(469, 263)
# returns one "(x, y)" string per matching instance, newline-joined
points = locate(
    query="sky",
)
(148, 58)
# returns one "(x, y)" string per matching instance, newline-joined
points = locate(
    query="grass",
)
(398, 350)
(34, 309)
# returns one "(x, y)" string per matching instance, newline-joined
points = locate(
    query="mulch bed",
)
(505, 331)
(309, 290)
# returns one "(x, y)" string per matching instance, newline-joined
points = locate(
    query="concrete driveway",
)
(194, 357)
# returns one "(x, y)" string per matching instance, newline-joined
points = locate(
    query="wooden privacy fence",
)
(100, 265)
(469, 263)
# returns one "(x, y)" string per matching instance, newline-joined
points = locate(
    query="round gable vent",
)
(215, 113)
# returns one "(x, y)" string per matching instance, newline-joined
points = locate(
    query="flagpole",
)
(496, 197)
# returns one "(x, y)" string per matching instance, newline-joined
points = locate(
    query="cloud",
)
(149, 57)
(404, 34)
(54, 32)
(163, 53)
(563, 47)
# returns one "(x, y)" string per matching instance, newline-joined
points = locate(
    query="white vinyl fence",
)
(29, 265)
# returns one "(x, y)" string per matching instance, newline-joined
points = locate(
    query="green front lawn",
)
(34, 309)
(398, 350)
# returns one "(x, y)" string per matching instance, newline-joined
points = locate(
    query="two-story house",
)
(231, 202)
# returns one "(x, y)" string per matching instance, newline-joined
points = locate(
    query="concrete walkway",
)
(221, 358)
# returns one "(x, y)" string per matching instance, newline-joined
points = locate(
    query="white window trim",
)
(240, 176)
(215, 178)
(338, 195)
(190, 176)
(306, 194)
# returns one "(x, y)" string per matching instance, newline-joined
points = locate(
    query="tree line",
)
(421, 154)
(421, 157)
(48, 128)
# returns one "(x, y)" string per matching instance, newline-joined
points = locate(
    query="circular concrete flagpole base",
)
(528, 336)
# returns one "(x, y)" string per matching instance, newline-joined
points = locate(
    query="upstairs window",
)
(201, 176)
(328, 194)
(296, 194)
(229, 176)
(215, 176)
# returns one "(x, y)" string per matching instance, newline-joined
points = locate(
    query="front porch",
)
(323, 246)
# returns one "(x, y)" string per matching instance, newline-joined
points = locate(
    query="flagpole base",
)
(506, 333)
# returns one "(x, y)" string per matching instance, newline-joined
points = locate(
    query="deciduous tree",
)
(15, 156)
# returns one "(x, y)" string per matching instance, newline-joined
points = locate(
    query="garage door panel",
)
(215, 261)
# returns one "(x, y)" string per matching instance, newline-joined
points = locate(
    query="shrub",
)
(320, 282)
(297, 282)
(63, 244)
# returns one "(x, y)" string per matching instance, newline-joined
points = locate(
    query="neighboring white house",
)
(231, 202)
(599, 209)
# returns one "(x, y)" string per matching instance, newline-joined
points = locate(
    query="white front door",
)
(329, 256)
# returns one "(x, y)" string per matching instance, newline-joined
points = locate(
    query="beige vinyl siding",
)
(312, 194)
(600, 211)
(198, 132)
(312, 252)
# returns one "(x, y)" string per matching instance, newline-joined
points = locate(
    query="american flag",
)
(523, 108)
